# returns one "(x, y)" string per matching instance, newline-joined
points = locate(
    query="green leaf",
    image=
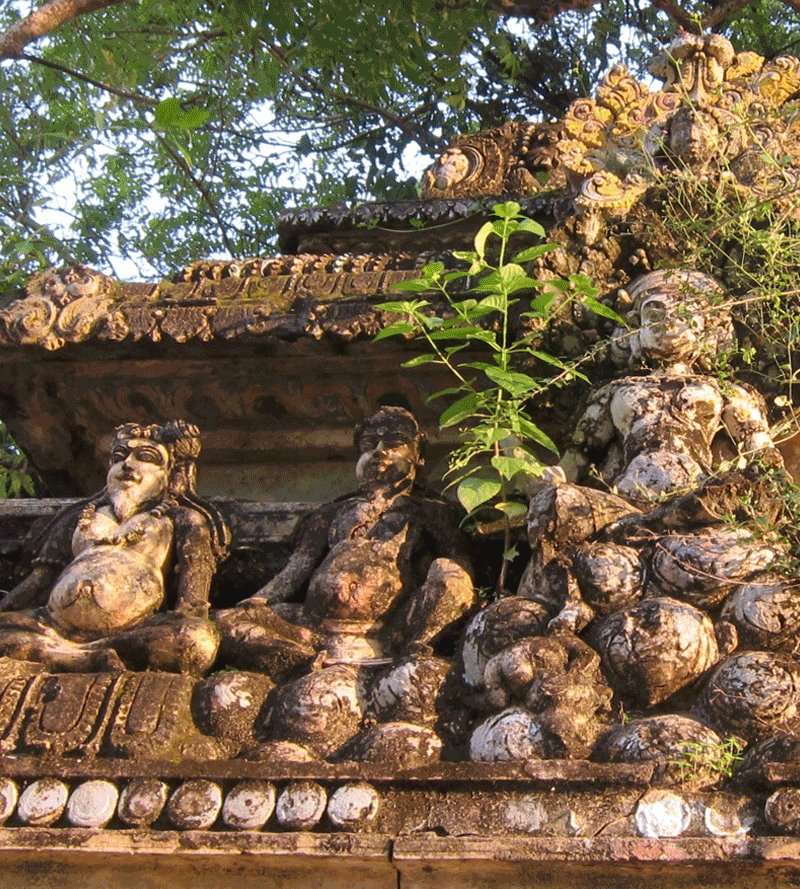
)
(420, 360)
(532, 253)
(442, 392)
(512, 508)
(507, 211)
(417, 284)
(456, 333)
(493, 436)
(556, 362)
(495, 302)
(583, 284)
(404, 307)
(398, 328)
(168, 111)
(542, 303)
(459, 410)
(194, 117)
(604, 311)
(516, 383)
(508, 467)
(534, 433)
(530, 225)
(433, 270)
(473, 492)
(466, 255)
(480, 239)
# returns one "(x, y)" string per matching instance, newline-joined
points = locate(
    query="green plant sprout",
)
(16, 473)
(490, 395)
(717, 760)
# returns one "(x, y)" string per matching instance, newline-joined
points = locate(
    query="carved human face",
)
(139, 472)
(671, 332)
(387, 456)
(451, 168)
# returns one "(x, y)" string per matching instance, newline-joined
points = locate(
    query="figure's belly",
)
(358, 581)
(103, 591)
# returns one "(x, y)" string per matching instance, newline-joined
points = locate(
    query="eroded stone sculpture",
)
(101, 576)
(644, 564)
(387, 573)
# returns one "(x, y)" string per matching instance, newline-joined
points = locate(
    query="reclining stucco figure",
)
(103, 568)
(386, 567)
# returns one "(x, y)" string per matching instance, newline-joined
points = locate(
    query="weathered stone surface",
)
(513, 734)
(227, 705)
(152, 716)
(71, 713)
(662, 814)
(397, 745)
(301, 805)
(782, 810)
(92, 804)
(353, 807)
(42, 802)
(753, 694)
(653, 649)
(194, 805)
(9, 794)
(249, 805)
(142, 801)
(682, 749)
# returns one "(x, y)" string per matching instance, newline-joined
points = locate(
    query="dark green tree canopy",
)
(160, 133)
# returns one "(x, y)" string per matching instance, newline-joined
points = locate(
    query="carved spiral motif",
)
(28, 321)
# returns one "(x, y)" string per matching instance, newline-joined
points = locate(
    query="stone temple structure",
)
(249, 641)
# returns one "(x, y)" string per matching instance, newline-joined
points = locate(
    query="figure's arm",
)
(745, 417)
(53, 552)
(195, 563)
(309, 551)
(33, 590)
(594, 431)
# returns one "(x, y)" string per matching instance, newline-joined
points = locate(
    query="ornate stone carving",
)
(715, 110)
(386, 570)
(103, 611)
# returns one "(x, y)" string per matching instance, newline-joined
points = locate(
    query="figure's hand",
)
(193, 609)
(10, 602)
(277, 590)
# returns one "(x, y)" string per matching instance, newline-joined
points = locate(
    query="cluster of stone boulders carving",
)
(687, 619)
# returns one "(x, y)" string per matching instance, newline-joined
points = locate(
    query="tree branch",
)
(44, 20)
(123, 94)
(315, 86)
(679, 15)
(201, 188)
(729, 8)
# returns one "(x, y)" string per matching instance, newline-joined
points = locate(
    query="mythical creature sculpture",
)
(648, 435)
(104, 568)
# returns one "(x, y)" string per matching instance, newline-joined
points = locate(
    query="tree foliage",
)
(160, 133)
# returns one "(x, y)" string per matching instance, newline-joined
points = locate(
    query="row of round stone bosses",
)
(195, 804)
